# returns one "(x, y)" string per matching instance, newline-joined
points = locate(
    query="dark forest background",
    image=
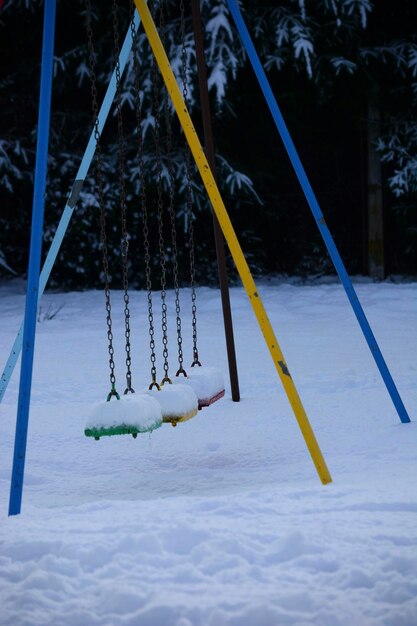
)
(345, 76)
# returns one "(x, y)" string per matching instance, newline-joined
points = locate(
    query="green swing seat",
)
(130, 415)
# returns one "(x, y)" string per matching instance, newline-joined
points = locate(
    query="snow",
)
(223, 520)
(138, 410)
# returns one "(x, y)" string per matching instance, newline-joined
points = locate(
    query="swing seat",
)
(178, 403)
(207, 383)
(131, 415)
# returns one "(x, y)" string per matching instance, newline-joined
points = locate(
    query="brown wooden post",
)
(375, 209)
(218, 236)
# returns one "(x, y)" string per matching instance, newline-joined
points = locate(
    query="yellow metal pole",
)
(232, 241)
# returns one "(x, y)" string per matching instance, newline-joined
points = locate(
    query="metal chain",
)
(160, 203)
(145, 227)
(190, 214)
(171, 211)
(100, 184)
(125, 236)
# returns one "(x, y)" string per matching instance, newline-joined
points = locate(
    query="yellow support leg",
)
(232, 241)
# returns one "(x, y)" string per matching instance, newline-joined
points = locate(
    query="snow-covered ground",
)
(221, 520)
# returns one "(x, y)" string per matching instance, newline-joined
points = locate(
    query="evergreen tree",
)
(319, 45)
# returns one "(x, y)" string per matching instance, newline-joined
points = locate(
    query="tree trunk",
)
(375, 211)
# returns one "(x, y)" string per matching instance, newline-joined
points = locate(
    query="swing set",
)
(154, 411)
(169, 402)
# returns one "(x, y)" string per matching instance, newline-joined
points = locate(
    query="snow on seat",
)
(178, 402)
(133, 414)
(207, 383)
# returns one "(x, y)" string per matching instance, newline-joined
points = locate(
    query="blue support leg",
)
(70, 205)
(315, 209)
(34, 258)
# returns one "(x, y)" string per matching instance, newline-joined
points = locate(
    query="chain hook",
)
(154, 383)
(113, 393)
(196, 360)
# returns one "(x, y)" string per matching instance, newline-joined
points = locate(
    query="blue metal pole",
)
(34, 258)
(71, 204)
(315, 209)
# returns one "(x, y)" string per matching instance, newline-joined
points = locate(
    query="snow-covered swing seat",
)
(129, 415)
(178, 403)
(206, 382)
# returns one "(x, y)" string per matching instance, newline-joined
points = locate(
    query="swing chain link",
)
(161, 245)
(100, 184)
(122, 160)
(189, 192)
(171, 210)
(145, 227)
